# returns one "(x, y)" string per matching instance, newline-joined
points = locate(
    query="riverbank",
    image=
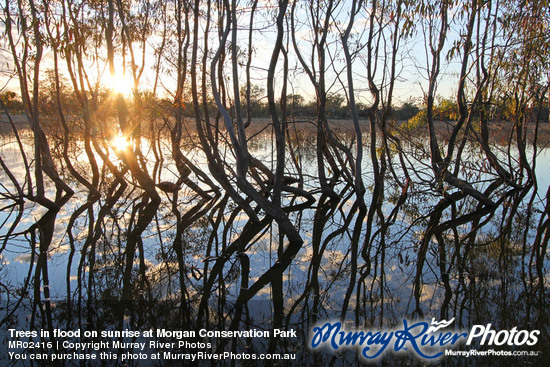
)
(500, 132)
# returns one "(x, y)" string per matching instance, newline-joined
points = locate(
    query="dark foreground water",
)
(196, 263)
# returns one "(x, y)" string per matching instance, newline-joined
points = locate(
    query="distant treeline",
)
(297, 107)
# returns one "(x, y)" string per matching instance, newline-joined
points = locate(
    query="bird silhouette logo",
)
(439, 325)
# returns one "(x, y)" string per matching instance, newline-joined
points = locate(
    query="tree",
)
(446, 110)
(406, 111)
(296, 105)
(335, 106)
(181, 196)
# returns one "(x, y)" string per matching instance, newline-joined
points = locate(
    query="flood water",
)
(199, 261)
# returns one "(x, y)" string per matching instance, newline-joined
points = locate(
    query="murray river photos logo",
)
(427, 341)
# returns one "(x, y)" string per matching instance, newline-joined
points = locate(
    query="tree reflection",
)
(125, 208)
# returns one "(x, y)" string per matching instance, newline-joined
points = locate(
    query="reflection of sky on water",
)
(542, 170)
(400, 250)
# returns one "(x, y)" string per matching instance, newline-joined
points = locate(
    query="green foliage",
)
(10, 101)
(48, 96)
(419, 120)
(406, 111)
(258, 101)
(335, 106)
(446, 110)
(295, 104)
(7, 97)
(524, 64)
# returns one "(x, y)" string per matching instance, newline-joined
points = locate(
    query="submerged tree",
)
(147, 162)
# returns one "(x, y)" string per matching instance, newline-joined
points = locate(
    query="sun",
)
(119, 83)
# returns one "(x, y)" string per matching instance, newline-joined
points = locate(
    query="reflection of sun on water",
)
(120, 143)
(119, 83)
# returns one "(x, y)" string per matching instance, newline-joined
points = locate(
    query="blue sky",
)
(409, 86)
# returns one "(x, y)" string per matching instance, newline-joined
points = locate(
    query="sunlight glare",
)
(120, 143)
(119, 83)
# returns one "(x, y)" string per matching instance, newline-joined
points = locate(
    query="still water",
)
(199, 254)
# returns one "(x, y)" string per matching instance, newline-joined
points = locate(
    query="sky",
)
(409, 86)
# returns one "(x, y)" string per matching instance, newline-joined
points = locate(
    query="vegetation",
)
(143, 133)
